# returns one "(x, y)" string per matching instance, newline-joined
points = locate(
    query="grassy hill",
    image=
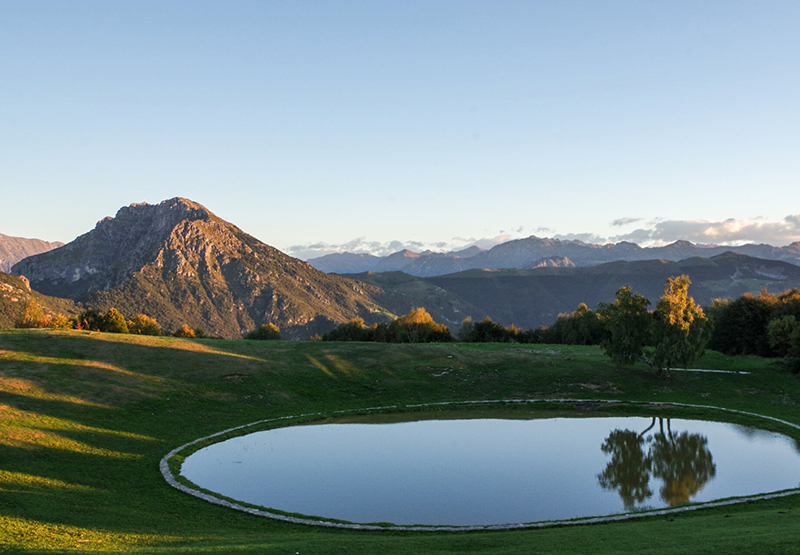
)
(86, 417)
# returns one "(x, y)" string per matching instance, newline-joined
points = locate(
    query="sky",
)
(363, 126)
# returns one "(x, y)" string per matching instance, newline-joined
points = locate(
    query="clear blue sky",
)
(432, 123)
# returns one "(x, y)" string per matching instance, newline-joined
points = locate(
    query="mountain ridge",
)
(528, 252)
(14, 249)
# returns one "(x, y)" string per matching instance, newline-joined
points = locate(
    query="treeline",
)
(415, 327)
(766, 325)
(112, 321)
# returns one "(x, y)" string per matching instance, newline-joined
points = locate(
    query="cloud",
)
(653, 233)
(584, 237)
(727, 232)
(624, 221)
(361, 245)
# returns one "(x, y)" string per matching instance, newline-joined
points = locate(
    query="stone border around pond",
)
(171, 480)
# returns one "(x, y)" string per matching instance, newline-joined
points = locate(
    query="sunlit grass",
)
(25, 534)
(17, 481)
(29, 430)
(28, 388)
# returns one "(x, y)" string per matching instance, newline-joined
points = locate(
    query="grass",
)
(85, 419)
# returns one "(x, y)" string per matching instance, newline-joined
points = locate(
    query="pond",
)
(494, 471)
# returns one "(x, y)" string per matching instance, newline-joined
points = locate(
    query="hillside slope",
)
(533, 298)
(15, 292)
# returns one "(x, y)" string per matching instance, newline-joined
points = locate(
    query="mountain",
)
(346, 262)
(533, 298)
(529, 252)
(179, 263)
(15, 292)
(14, 249)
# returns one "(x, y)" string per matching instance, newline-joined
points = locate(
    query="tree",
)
(354, 330)
(627, 323)
(32, 316)
(141, 324)
(582, 327)
(418, 327)
(89, 319)
(680, 328)
(740, 326)
(185, 331)
(266, 332)
(113, 322)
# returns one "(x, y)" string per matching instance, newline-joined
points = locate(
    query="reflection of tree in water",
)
(629, 468)
(682, 461)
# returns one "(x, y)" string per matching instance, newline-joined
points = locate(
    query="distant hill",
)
(530, 252)
(15, 292)
(181, 264)
(533, 298)
(14, 249)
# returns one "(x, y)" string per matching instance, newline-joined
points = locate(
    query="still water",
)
(494, 471)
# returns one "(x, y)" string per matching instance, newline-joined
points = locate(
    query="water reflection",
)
(682, 461)
(478, 471)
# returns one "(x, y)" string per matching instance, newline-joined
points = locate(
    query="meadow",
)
(86, 417)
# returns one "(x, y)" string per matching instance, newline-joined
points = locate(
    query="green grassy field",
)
(86, 418)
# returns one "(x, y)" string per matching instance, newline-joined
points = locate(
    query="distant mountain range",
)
(179, 263)
(534, 252)
(14, 249)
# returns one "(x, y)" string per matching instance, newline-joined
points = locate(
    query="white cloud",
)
(727, 232)
(378, 248)
(584, 237)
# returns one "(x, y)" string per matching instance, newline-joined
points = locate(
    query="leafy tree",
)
(141, 324)
(32, 316)
(90, 320)
(418, 327)
(780, 332)
(354, 330)
(627, 324)
(740, 326)
(185, 331)
(266, 332)
(680, 328)
(582, 327)
(60, 322)
(466, 329)
(113, 322)
(487, 331)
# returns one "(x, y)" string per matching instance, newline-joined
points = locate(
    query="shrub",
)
(264, 333)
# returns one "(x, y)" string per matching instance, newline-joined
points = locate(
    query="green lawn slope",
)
(85, 419)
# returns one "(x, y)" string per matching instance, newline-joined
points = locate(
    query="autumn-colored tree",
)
(185, 331)
(680, 328)
(418, 327)
(141, 324)
(32, 316)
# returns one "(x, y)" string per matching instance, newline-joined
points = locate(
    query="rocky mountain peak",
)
(116, 248)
